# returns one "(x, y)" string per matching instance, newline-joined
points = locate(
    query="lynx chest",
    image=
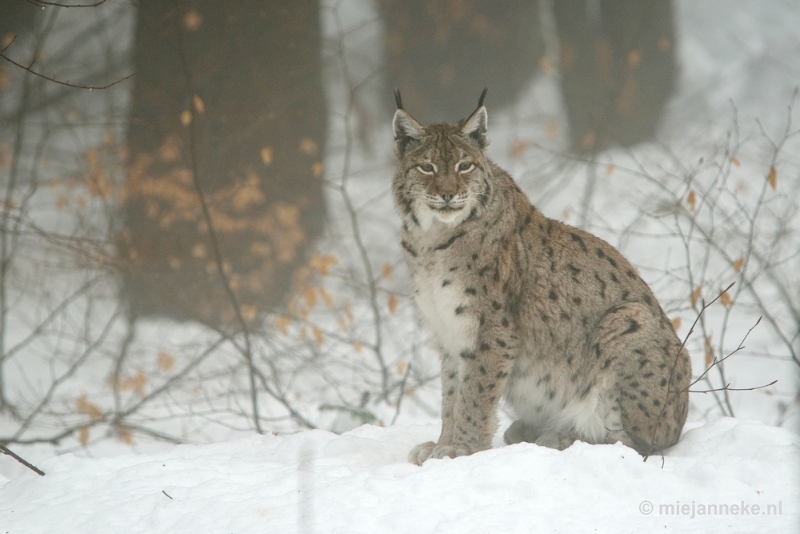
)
(441, 282)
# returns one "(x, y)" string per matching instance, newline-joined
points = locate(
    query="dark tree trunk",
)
(442, 53)
(258, 122)
(617, 67)
(15, 18)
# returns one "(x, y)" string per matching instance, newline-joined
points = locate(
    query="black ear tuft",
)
(399, 99)
(480, 100)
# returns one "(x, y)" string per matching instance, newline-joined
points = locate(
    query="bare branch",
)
(67, 84)
(42, 3)
(728, 387)
(9, 452)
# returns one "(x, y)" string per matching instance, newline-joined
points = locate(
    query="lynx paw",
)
(556, 440)
(519, 432)
(422, 452)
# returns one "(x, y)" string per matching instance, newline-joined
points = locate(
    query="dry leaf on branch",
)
(386, 271)
(695, 296)
(165, 361)
(772, 178)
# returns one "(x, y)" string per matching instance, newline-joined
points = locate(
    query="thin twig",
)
(728, 387)
(212, 234)
(9, 452)
(674, 394)
(67, 84)
(42, 3)
(401, 394)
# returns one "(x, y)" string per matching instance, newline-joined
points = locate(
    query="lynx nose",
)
(447, 197)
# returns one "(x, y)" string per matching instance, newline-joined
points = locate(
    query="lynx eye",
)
(426, 168)
(465, 166)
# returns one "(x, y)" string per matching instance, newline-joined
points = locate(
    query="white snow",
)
(360, 481)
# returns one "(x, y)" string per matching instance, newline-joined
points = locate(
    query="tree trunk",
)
(241, 82)
(442, 53)
(617, 69)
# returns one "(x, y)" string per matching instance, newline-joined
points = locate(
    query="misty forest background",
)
(197, 238)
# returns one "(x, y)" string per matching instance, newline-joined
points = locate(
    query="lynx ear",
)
(475, 127)
(407, 132)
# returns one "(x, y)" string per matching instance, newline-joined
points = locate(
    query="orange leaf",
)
(199, 106)
(308, 146)
(165, 361)
(87, 408)
(709, 357)
(392, 303)
(266, 155)
(357, 346)
(323, 263)
(772, 178)
(676, 323)
(691, 200)
(609, 169)
(249, 312)
(386, 270)
(518, 148)
(310, 296)
(695, 296)
(735, 161)
(199, 251)
(124, 434)
(400, 368)
(192, 20)
(725, 299)
(186, 117)
(135, 384)
(737, 265)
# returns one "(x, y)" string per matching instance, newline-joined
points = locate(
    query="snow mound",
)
(746, 473)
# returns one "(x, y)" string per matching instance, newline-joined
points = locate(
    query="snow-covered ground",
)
(727, 476)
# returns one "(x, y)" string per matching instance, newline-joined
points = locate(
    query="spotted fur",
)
(522, 306)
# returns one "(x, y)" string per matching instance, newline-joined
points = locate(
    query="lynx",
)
(527, 308)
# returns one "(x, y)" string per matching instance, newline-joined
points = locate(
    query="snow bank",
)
(317, 481)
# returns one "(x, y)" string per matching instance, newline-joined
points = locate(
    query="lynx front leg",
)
(450, 386)
(470, 418)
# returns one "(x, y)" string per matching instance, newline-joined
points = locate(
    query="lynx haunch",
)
(524, 307)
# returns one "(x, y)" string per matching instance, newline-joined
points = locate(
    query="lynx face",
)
(444, 169)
